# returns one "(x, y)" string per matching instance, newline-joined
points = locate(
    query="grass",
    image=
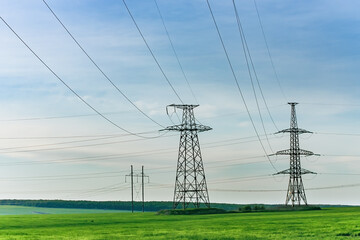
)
(21, 210)
(332, 223)
(192, 211)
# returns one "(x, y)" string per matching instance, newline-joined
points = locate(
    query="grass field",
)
(332, 223)
(21, 210)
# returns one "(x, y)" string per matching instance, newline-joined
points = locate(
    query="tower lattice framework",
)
(190, 183)
(296, 191)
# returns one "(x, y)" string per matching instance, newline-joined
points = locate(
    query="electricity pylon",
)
(296, 191)
(190, 184)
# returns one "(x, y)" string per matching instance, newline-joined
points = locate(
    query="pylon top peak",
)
(293, 103)
(182, 106)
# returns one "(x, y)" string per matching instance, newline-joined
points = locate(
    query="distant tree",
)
(259, 207)
(247, 208)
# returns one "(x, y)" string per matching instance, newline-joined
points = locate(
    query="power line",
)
(245, 46)
(175, 53)
(113, 187)
(247, 190)
(339, 155)
(66, 85)
(332, 104)
(70, 147)
(152, 53)
(48, 118)
(103, 190)
(60, 143)
(77, 141)
(341, 174)
(334, 187)
(247, 54)
(279, 190)
(105, 113)
(97, 66)
(340, 134)
(114, 142)
(56, 178)
(71, 136)
(238, 86)
(268, 50)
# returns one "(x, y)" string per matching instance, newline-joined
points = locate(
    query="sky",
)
(54, 146)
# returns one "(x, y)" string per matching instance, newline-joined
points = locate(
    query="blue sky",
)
(315, 50)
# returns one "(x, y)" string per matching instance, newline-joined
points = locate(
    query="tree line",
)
(151, 206)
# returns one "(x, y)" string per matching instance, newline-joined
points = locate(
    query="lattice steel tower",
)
(190, 184)
(296, 191)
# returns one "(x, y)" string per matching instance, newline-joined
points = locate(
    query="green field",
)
(332, 223)
(21, 210)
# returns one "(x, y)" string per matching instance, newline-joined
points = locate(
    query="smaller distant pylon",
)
(296, 191)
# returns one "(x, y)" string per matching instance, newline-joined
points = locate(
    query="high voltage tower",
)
(190, 184)
(296, 191)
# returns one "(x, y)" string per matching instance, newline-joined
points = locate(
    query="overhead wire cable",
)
(339, 134)
(247, 57)
(72, 136)
(59, 143)
(111, 156)
(66, 85)
(151, 52)
(341, 174)
(97, 191)
(80, 141)
(238, 86)
(71, 147)
(56, 179)
(335, 187)
(332, 104)
(252, 65)
(175, 53)
(70, 175)
(98, 67)
(108, 143)
(269, 53)
(247, 190)
(105, 113)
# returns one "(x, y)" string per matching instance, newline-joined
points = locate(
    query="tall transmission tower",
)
(296, 191)
(190, 184)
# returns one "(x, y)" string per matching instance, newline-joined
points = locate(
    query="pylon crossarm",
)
(287, 171)
(305, 171)
(294, 130)
(183, 106)
(306, 152)
(289, 152)
(173, 128)
(183, 127)
(283, 152)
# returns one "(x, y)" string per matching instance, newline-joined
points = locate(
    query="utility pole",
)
(132, 187)
(142, 187)
(142, 175)
(296, 191)
(190, 183)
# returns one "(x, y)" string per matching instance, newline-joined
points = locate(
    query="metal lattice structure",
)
(296, 191)
(190, 184)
